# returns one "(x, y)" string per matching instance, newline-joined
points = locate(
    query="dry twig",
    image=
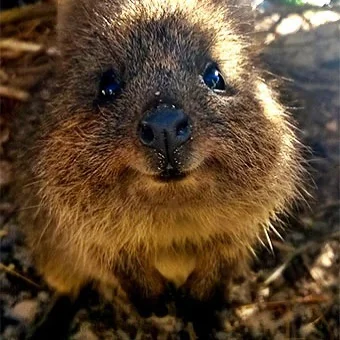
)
(300, 300)
(8, 269)
(13, 93)
(25, 46)
(22, 46)
(295, 252)
(27, 13)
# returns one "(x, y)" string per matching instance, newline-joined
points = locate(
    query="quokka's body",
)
(111, 191)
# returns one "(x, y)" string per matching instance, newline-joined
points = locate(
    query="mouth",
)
(170, 175)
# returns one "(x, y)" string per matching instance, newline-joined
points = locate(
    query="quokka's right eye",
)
(109, 86)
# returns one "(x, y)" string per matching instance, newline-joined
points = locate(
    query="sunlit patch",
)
(320, 18)
(292, 24)
(278, 26)
(271, 109)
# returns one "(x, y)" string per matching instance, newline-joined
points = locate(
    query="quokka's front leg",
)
(146, 288)
(71, 291)
(56, 322)
(204, 293)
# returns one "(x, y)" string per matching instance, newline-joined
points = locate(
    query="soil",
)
(292, 291)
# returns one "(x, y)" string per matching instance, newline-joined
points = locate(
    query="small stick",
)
(13, 93)
(295, 252)
(26, 46)
(310, 299)
(27, 13)
(22, 46)
(13, 272)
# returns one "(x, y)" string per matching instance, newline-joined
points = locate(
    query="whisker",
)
(268, 239)
(271, 227)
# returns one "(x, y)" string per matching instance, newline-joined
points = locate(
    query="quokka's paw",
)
(202, 314)
(55, 324)
(146, 306)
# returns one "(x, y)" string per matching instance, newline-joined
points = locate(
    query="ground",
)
(292, 291)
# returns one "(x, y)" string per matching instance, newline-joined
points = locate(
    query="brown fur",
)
(91, 206)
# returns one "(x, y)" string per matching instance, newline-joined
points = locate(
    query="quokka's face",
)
(159, 99)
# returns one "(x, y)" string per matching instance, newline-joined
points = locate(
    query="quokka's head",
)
(159, 101)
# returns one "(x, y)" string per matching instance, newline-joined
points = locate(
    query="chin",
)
(179, 191)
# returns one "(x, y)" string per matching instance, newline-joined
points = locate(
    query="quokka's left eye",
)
(213, 78)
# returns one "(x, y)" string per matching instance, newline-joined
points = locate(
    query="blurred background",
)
(293, 290)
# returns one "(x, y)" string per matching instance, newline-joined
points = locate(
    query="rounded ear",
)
(65, 23)
(73, 24)
(65, 8)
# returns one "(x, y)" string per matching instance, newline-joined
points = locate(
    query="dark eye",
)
(212, 77)
(109, 86)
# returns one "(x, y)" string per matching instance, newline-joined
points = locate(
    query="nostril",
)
(146, 134)
(164, 130)
(183, 129)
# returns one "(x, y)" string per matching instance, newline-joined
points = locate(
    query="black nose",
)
(165, 129)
